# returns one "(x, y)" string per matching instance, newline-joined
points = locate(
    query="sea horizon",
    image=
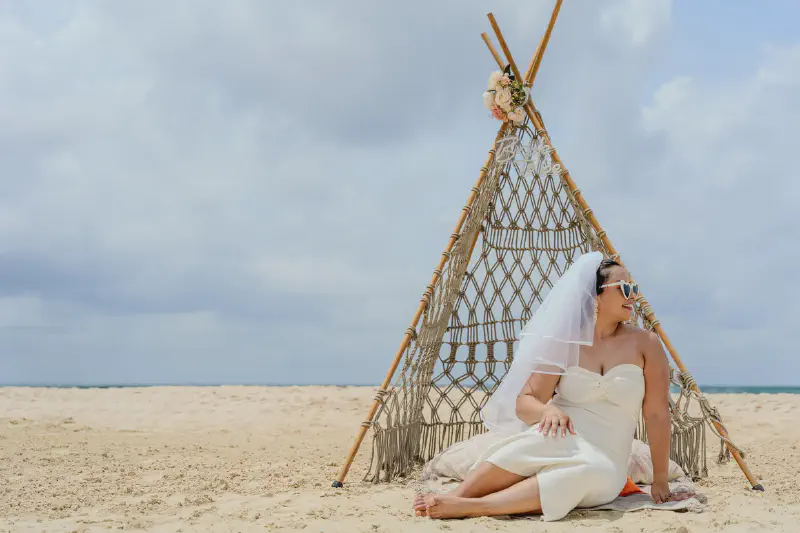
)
(711, 389)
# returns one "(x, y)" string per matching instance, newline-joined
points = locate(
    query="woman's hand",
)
(555, 422)
(660, 493)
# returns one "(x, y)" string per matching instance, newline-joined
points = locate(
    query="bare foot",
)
(448, 506)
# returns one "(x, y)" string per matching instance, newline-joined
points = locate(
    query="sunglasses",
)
(630, 289)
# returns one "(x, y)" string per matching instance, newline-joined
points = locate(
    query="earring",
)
(595, 310)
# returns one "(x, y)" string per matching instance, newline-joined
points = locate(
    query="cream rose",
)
(494, 80)
(488, 100)
(503, 98)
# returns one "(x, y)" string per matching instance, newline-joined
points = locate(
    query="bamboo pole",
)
(528, 107)
(420, 309)
(492, 49)
(537, 58)
(339, 482)
(646, 308)
(504, 46)
(601, 233)
(529, 71)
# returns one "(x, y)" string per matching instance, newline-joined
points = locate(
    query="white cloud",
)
(637, 20)
(261, 191)
(724, 237)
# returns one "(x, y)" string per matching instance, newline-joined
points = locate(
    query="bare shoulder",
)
(638, 334)
(647, 342)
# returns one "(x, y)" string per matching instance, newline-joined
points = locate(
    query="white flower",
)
(503, 98)
(494, 80)
(488, 100)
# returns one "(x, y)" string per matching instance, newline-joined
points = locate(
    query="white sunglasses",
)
(630, 289)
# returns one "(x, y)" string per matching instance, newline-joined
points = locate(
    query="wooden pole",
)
(339, 482)
(528, 107)
(504, 47)
(493, 51)
(601, 233)
(537, 59)
(420, 309)
(646, 308)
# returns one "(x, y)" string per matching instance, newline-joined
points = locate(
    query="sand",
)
(246, 459)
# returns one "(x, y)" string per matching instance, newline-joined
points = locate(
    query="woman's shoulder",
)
(626, 328)
(641, 337)
(647, 342)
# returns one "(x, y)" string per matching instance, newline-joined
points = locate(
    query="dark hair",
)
(602, 273)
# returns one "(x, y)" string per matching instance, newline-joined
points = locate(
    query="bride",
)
(569, 405)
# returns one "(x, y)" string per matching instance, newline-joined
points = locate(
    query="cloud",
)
(637, 21)
(725, 236)
(260, 192)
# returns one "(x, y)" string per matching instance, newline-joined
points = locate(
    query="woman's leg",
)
(485, 479)
(522, 497)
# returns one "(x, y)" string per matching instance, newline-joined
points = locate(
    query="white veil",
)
(550, 342)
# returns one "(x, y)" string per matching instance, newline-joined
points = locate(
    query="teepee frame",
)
(683, 379)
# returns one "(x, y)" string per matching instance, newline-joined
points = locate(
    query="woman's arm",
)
(655, 410)
(533, 406)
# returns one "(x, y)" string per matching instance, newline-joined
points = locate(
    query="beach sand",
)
(246, 459)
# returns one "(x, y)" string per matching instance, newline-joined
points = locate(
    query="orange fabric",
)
(630, 488)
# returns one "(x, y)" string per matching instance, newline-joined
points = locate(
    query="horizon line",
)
(268, 384)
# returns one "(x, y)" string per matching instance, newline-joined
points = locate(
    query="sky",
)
(258, 192)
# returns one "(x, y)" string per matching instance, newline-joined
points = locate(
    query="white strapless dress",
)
(589, 468)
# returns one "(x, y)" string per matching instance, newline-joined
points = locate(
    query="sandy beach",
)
(246, 459)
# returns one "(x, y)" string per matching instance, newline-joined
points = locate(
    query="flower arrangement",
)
(506, 97)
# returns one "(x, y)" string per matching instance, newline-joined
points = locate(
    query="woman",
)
(570, 450)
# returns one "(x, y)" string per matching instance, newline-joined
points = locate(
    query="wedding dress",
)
(589, 468)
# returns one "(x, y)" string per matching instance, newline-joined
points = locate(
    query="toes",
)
(420, 506)
(430, 499)
(419, 501)
(432, 508)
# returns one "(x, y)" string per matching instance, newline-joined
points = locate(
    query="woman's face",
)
(612, 302)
